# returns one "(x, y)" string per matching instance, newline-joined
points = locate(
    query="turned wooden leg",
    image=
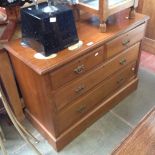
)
(132, 13)
(103, 26)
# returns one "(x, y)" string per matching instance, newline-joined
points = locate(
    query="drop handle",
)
(81, 109)
(125, 42)
(123, 61)
(80, 88)
(80, 69)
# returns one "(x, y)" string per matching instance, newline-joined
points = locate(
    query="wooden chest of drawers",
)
(66, 94)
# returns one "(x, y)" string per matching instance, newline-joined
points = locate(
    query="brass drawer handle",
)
(79, 69)
(123, 62)
(120, 81)
(81, 109)
(79, 89)
(125, 42)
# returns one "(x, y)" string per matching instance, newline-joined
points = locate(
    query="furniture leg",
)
(103, 26)
(132, 13)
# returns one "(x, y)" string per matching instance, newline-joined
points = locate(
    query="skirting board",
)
(148, 45)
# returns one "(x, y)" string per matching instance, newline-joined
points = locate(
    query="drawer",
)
(85, 104)
(77, 68)
(124, 41)
(78, 87)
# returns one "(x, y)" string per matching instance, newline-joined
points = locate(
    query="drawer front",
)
(124, 41)
(78, 87)
(82, 106)
(77, 68)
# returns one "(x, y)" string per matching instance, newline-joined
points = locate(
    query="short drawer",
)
(78, 87)
(85, 104)
(77, 68)
(124, 41)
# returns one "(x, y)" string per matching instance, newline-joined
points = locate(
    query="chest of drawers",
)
(66, 94)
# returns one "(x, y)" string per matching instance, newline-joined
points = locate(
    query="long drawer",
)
(124, 41)
(78, 87)
(81, 107)
(77, 68)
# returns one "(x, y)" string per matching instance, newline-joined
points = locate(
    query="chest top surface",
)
(88, 31)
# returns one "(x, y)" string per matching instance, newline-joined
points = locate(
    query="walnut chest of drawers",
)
(66, 94)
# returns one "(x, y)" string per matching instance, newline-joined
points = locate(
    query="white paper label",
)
(52, 19)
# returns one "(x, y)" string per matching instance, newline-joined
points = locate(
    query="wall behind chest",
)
(148, 7)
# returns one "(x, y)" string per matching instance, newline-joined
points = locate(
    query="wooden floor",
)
(142, 140)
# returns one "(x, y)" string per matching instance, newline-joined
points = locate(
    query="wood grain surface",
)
(86, 27)
(142, 140)
(94, 77)
(40, 80)
(6, 73)
(86, 103)
(148, 8)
